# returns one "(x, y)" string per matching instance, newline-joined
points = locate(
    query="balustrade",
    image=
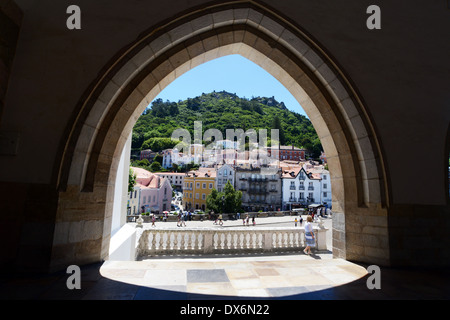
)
(237, 240)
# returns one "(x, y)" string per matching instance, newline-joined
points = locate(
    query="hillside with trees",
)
(222, 111)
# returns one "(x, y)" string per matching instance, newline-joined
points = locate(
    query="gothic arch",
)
(111, 106)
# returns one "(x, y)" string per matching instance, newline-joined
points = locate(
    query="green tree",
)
(212, 201)
(227, 201)
(155, 166)
(131, 180)
(158, 158)
(276, 124)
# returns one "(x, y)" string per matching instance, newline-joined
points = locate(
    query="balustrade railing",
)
(237, 240)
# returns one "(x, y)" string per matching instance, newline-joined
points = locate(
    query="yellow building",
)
(196, 187)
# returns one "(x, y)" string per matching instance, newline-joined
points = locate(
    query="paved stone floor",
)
(243, 277)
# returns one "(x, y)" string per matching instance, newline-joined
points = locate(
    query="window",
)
(301, 196)
(145, 199)
(324, 177)
(325, 194)
(210, 185)
(197, 185)
(203, 196)
(197, 196)
(325, 186)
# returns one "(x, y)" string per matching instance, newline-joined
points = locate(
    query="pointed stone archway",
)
(109, 109)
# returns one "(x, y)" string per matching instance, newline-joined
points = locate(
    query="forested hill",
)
(223, 110)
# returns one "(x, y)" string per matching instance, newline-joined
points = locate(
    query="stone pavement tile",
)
(165, 277)
(212, 288)
(274, 281)
(249, 283)
(267, 272)
(239, 274)
(298, 271)
(308, 280)
(207, 275)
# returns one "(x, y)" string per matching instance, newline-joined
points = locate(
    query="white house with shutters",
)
(305, 185)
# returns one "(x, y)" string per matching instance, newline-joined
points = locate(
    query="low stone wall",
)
(153, 242)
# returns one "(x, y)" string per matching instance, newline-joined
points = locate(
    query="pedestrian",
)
(153, 220)
(178, 219)
(220, 220)
(253, 221)
(309, 236)
(247, 220)
(183, 220)
(295, 221)
(301, 221)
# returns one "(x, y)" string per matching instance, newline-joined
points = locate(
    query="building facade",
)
(259, 191)
(147, 154)
(224, 174)
(176, 179)
(197, 186)
(287, 153)
(301, 187)
(155, 192)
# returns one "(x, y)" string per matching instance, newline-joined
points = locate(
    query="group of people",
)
(246, 220)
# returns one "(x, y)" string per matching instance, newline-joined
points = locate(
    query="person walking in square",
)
(309, 236)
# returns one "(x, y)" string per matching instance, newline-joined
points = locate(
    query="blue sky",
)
(234, 74)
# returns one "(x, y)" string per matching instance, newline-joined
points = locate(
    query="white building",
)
(176, 179)
(133, 201)
(304, 187)
(168, 158)
(224, 174)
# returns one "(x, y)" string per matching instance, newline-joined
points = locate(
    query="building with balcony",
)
(259, 191)
(302, 186)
